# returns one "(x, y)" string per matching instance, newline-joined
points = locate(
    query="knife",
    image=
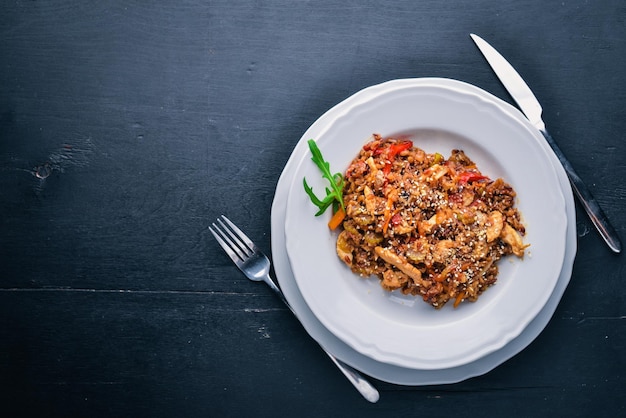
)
(528, 103)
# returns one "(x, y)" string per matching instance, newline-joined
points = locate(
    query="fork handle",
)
(361, 384)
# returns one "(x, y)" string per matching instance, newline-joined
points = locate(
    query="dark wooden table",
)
(127, 127)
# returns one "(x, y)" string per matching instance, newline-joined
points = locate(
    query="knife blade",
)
(529, 105)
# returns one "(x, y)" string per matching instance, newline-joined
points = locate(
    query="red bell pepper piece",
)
(468, 176)
(397, 148)
(392, 151)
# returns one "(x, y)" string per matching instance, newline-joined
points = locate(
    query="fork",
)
(256, 266)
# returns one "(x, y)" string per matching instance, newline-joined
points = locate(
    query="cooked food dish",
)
(426, 225)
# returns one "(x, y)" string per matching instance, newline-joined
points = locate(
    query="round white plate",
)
(367, 365)
(402, 330)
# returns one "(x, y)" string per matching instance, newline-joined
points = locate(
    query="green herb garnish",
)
(334, 195)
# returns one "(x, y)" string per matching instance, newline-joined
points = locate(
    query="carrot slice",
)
(387, 218)
(459, 299)
(337, 218)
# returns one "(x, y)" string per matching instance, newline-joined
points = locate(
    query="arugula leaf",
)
(334, 195)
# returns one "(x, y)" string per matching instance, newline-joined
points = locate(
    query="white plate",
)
(402, 330)
(383, 371)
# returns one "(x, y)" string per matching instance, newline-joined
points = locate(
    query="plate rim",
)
(395, 374)
(391, 357)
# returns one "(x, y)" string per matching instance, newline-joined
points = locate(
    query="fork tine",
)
(240, 246)
(227, 245)
(243, 237)
(239, 242)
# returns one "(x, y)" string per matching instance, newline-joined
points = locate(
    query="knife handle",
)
(589, 203)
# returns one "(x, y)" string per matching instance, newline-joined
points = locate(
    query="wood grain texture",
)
(127, 127)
